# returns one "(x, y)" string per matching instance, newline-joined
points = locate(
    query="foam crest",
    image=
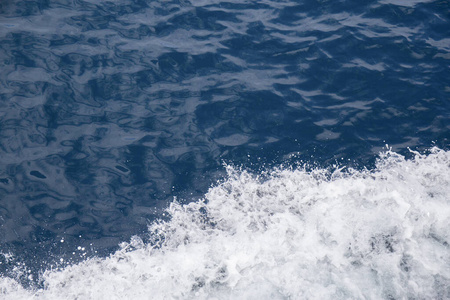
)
(287, 234)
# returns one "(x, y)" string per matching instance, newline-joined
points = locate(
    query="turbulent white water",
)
(294, 234)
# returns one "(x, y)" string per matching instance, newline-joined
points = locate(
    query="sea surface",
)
(239, 149)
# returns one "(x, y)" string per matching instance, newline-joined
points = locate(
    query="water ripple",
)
(109, 109)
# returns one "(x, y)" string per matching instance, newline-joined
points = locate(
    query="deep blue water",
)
(109, 109)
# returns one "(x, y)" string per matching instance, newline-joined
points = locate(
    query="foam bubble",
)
(288, 234)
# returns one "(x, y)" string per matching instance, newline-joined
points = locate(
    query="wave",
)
(291, 233)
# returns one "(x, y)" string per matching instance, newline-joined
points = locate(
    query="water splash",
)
(286, 234)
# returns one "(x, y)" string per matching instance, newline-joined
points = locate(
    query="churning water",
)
(286, 234)
(224, 149)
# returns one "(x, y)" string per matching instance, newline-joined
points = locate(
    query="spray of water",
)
(287, 234)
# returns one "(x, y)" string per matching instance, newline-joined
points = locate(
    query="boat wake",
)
(285, 234)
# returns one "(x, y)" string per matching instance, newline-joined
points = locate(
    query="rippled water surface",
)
(110, 109)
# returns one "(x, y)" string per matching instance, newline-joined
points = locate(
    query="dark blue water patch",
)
(37, 174)
(109, 110)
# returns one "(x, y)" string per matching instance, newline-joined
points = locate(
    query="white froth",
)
(293, 234)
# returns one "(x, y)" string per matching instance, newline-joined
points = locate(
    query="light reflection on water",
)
(110, 109)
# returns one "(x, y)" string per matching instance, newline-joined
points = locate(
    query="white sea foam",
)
(290, 234)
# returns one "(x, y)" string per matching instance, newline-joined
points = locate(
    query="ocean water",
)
(224, 149)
